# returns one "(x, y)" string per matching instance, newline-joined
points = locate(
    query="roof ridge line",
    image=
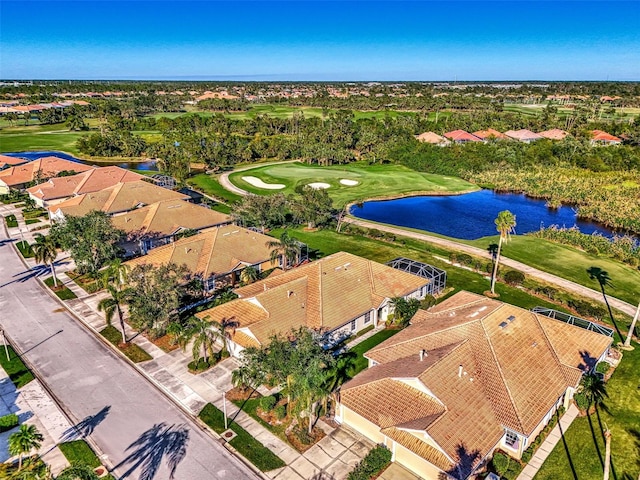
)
(495, 359)
(116, 189)
(87, 174)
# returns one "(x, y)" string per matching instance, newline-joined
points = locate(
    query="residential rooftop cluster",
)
(597, 137)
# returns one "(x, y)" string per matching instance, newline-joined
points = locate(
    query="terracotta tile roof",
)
(461, 136)
(522, 135)
(413, 442)
(86, 182)
(47, 166)
(165, 218)
(11, 161)
(523, 361)
(313, 295)
(431, 137)
(601, 136)
(490, 133)
(554, 134)
(215, 251)
(117, 198)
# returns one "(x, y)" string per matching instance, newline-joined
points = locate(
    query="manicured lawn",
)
(62, 292)
(249, 447)
(374, 181)
(11, 220)
(38, 138)
(570, 263)
(87, 283)
(361, 363)
(209, 184)
(78, 452)
(250, 407)
(132, 351)
(25, 249)
(30, 221)
(18, 372)
(586, 451)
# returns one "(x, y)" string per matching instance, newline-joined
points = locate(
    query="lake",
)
(148, 165)
(471, 216)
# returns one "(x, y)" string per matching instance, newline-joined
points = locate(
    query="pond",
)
(148, 165)
(471, 216)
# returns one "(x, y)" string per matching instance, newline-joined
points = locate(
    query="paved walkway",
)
(479, 252)
(549, 444)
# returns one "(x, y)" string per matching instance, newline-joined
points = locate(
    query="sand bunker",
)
(258, 183)
(348, 183)
(319, 185)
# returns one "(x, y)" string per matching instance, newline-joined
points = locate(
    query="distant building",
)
(523, 135)
(433, 138)
(599, 137)
(554, 134)
(490, 134)
(460, 136)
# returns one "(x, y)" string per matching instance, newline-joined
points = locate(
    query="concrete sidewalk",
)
(549, 444)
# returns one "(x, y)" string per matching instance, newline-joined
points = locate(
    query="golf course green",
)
(373, 181)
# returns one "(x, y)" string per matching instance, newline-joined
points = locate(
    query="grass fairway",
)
(570, 263)
(586, 449)
(374, 181)
(209, 184)
(38, 138)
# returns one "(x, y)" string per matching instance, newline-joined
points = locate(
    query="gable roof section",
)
(48, 166)
(523, 135)
(554, 134)
(461, 136)
(489, 134)
(324, 294)
(86, 182)
(6, 160)
(433, 138)
(165, 218)
(215, 251)
(601, 136)
(525, 361)
(121, 197)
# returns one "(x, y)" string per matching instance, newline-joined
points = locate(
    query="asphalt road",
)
(143, 434)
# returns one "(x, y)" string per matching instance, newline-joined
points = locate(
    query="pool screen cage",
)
(437, 277)
(572, 320)
(164, 181)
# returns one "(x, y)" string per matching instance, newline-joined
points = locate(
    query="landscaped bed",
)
(15, 368)
(244, 443)
(25, 249)
(132, 351)
(78, 452)
(11, 220)
(62, 292)
(87, 283)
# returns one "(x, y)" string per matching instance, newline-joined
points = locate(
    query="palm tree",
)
(115, 273)
(226, 328)
(607, 452)
(632, 327)
(287, 249)
(594, 389)
(505, 224)
(339, 373)
(77, 472)
(204, 335)
(603, 279)
(27, 438)
(113, 304)
(46, 252)
(249, 275)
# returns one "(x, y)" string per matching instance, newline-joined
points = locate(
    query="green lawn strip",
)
(78, 452)
(40, 141)
(31, 221)
(209, 185)
(132, 351)
(11, 220)
(87, 283)
(18, 372)
(25, 249)
(585, 451)
(375, 181)
(250, 407)
(63, 293)
(245, 444)
(222, 208)
(361, 363)
(32, 214)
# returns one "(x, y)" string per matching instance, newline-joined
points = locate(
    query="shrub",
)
(464, 259)
(453, 257)
(603, 368)
(7, 422)
(280, 412)
(201, 365)
(527, 455)
(514, 277)
(581, 401)
(428, 302)
(376, 460)
(500, 463)
(267, 403)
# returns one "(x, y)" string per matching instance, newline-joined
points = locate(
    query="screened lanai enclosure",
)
(437, 277)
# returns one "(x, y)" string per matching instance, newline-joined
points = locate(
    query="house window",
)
(353, 325)
(210, 284)
(511, 440)
(367, 317)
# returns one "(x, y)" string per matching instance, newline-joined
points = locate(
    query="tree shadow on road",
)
(148, 450)
(86, 426)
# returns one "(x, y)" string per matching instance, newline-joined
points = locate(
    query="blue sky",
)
(332, 40)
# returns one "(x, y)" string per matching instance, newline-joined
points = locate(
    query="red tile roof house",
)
(19, 176)
(460, 136)
(490, 134)
(598, 137)
(523, 135)
(468, 376)
(58, 189)
(432, 138)
(554, 134)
